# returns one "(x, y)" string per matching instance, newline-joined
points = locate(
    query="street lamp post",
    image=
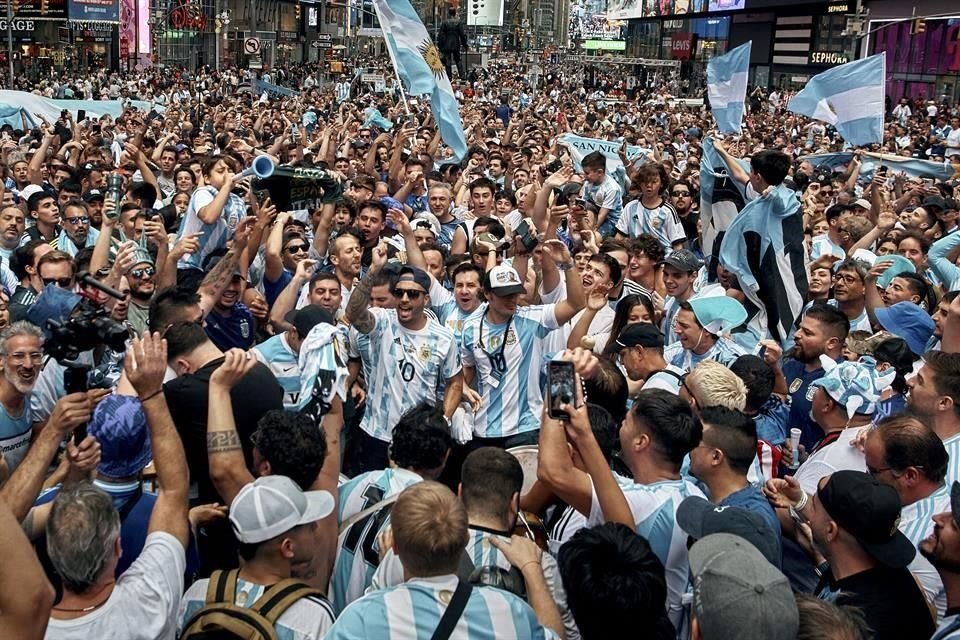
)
(10, 41)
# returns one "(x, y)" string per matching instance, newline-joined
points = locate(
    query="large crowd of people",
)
(279, 365)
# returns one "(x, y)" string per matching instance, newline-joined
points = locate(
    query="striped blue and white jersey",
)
(412, 611)
(284, 365)
(358, 554)
(483, 554)
(822, 245)
(606, 195)
(508, 369)
(570, 521)
(916, 523)
(952, 445)
(723, 351)
(371, 487)
(214, 236)
(444, 304)
(654, 507)
(309, 618)
(403, 368)
(661, 222)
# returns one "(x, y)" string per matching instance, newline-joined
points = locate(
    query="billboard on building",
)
(94, 10)
(588, 21)
(484, 13)
(632, 9)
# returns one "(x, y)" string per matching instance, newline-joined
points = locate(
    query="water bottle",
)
(115, 192)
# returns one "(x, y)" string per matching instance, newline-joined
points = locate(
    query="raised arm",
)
(228, 470)
(25, 593)
(23, 487)
(146, 366)
(358, 309)
(220, 276)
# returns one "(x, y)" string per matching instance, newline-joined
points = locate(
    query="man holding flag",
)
(763, 247)
(420, 68)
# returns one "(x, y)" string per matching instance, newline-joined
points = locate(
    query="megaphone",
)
(262, 168)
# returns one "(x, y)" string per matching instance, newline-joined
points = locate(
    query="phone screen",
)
(560, 387)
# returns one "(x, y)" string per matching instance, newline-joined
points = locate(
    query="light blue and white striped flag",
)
(420, 68)
(850, 97)
(727, 87)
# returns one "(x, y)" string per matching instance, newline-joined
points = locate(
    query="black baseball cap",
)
(935, 202)
(682, 260)
(93, 194)
(869, 511)
(307, 318)
(640, 334)
(416, 276)
(700, 518)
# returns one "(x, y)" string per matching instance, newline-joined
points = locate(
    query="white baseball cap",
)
(503, 280)
(273, 505)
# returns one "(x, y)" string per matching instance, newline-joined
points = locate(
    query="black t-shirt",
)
(188, 399)
(893, 605)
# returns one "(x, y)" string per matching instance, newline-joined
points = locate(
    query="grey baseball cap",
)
(735, 588)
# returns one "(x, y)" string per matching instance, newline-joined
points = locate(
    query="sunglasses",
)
(146, 272)
(63, 283)
(677, 194)
(298, 248)
(413, 294)
(78, 219)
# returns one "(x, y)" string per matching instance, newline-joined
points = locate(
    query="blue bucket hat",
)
(54, 303)
(718, 314)
(908, 321)
(120, 426)
(897, 265)
(856, 386)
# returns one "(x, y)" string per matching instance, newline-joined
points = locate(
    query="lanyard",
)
(497, 360)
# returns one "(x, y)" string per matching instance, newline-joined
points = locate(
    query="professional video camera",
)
(89, 327)
(81, 326)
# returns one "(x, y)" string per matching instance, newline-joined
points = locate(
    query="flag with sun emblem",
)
(420, 68)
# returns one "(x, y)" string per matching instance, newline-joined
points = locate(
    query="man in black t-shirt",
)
(854, 522)
(194, 358)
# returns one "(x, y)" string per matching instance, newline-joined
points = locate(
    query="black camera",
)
(88, 327)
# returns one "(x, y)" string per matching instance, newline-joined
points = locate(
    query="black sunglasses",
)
(413, 294)
(297, 248)
(63, 283)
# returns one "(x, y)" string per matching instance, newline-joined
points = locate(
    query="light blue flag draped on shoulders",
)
(727, 87)
(420, 68)
(849, 97)
(721, 197)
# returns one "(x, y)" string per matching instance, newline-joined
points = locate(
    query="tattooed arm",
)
(228, 470)
(222, 273)
(358, 309)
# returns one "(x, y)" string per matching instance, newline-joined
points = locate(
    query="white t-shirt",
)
(837, 456)
(144, 601)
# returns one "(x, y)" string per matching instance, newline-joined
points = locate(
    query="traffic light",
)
(298, 11)
(919, 26)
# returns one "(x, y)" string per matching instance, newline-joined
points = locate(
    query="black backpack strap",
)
(220, 585)
(454, 611)
(281, 596)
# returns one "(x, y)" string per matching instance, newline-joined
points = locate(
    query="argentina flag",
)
(727, 87)
(420, 68)
(763, 247)
(721, 198)
(849, 97)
